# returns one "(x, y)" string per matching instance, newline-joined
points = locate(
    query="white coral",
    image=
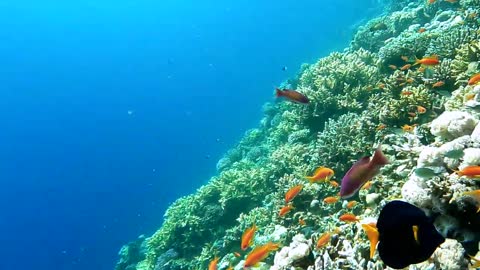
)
(450, 256)
(414, 192)
(451, 125)
(298, 249)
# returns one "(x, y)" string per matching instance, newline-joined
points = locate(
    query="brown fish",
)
(292, 95)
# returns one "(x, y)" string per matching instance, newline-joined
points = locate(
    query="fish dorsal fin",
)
(317, 170)
(364, 160)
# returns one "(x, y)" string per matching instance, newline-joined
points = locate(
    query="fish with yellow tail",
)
(405, 235)
(372, 234)
(362, 171)
(259, 254)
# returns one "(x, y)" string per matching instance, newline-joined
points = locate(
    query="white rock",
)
(450, 256)
(298, 248)
(471, 157)
(453, 124)
(430, 156)
(372, 198)
(414, 192)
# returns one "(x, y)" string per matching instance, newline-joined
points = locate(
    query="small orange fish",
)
(248, 236)
(351, 204)
(333, 183)
(412, 114)
(292, 95)
(321, 174)
(373, 235)
(407, 128)
(237, 254)
(421, 109)
(213, 264)
(406, 93)
(438, 84)
(405, 67)
(410, 80)
(292, 193)
(474, 79)
(381, 126)
(302, 222)
(428, 61)
(367, 185)
(470, 171)
(393, 67)
(421, 30)
(404, 58)
(323, 240)
(348, 218)
(431, 1)
(259, 254)
(469, 96)
(330, 200)
(284, 210)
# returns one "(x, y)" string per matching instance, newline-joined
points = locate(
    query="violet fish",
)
(360, 172)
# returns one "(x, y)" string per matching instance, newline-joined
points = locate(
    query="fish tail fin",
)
(310, 179)
(278, 92)
(417, 61)
(379, 159)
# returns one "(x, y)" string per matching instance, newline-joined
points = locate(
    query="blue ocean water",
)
(110, 110)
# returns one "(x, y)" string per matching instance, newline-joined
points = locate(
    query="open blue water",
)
(110, 110)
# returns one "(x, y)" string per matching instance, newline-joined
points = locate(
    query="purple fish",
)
(362, 171)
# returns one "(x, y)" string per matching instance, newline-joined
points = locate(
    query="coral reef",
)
(426, 117)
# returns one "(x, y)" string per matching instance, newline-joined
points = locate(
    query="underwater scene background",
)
(156, 135)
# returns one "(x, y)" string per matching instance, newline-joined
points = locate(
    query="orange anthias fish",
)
(348, 218)
(292, 193)
(284, 210)
(438, 84)
(405, 67)
(292, 95)
(474, 79)
(333, 183)
(404, 58)
(373, 235)
(247, 237)
(321, 174)
(421, 30)
(431, 2)
(237, 254)
(260, 253)
(213, 264)
(302, 222)
(330, 200)
(470, 171)
(421, 109)
(351, 204)
(367, 185)
(392, 67)
(407, 128)
(428, 61)
(323, 240)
